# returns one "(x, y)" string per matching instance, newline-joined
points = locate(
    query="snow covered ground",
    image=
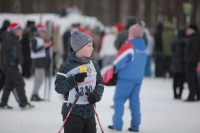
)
(160, 113)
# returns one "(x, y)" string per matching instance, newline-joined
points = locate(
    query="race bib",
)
(90, 82)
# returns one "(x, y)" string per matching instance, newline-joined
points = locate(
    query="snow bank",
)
(64, 22)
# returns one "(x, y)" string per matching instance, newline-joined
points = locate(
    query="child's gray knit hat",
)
(79, 39)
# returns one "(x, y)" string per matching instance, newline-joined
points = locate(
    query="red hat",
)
(81, 29)
(14, 27)
(41, 28)
(120, 26)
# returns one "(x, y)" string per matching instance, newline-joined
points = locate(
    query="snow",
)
(63, 22)
(160, 113)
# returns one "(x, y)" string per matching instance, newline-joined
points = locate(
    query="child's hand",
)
(92, 98)
(79, 77)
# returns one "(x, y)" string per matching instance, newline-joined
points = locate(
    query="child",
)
(38, 56)
(81, 119)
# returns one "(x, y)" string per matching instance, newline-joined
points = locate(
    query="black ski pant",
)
(178, 81)
(2, 79)
(26, 67)
(14, 80)
(192, 80)
(77, 124)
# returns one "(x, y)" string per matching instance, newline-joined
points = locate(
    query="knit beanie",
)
(136, 30)
(15, 27)
(79, 39)
(41, 28)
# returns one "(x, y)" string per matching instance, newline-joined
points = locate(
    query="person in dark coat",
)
(158, 51)
(12, 57)
(4, 29)
(191, 56)
(67, 40)
(122, 37)
(177, 64)
(26, 36)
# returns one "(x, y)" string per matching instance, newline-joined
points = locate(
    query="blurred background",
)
(179, 12)
(171, 34)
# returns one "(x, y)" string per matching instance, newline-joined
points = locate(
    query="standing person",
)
(81, 119)
(12, 57)
(123, 35)
(26, 36)
(66, 39)
(191, 57)
(108, 50)
(168, 36)
(38, 56)
(177, 65)
(150, 47)
(4, 29)
(129, 64)
(158, 50)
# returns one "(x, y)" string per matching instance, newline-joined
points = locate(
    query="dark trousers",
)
(191, 76)
(2, 79)
(77, 124)
(166, 66)
(26, 68)
(14, 80)
(158, 63)
(178, 81)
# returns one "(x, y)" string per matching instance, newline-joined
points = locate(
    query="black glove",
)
(79, 77)
(92, 98)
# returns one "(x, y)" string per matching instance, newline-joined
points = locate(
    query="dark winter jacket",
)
(66, 44)
(192, 49)
(11, 54)
(63, 85)
(121, 39)
(25, 44)
(177, 49)
(158, 38)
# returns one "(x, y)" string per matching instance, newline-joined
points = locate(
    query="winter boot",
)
(5, 106)
(27, 106)
(131, 130)
(36, 98)
(111, 127)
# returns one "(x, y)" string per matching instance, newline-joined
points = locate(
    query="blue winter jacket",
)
(130, 61)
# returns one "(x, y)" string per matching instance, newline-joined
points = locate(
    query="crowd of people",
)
(131, 48)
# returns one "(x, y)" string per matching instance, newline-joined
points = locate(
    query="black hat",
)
(130, 20)
(194, 27)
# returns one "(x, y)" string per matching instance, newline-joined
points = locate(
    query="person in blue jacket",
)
(129, 64)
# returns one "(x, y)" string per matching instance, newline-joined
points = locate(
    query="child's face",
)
(86, 51)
